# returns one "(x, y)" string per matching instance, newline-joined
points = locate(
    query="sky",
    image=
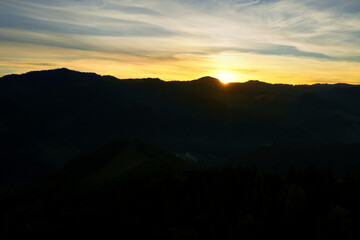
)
(276, 41)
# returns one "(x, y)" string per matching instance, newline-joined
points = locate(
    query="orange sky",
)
(297, 42)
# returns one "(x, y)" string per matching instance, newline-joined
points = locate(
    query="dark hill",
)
(207, 80)
(118, 159)
(136, 190)
(50, 117)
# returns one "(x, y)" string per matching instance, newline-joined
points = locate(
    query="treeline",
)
(192, 203)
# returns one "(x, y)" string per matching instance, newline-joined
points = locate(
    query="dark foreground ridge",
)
(133, 190)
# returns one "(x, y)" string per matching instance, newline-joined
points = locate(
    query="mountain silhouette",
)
(50, 117)
(133, 189)
(119, 158)
(207, 80)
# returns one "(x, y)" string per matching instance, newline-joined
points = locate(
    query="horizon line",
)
(189, 80)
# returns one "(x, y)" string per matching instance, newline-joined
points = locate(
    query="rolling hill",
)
(49, 117)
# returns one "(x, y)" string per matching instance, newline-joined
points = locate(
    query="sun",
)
(226, 77)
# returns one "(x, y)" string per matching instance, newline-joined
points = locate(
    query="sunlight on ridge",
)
(226, 77)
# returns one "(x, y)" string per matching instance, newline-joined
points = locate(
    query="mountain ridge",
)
(51, 117)
(201, 79)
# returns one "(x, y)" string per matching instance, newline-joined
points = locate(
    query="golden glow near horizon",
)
(298, 42)
(226, 77)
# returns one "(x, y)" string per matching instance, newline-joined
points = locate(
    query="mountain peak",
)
(207, 79)
(62, 69)
(55, 70)
(256, 82)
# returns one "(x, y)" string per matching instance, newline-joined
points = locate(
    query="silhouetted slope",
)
(207, 80)
(50, 117)
(118, 159)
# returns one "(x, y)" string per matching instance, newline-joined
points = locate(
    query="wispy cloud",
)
(142, 31)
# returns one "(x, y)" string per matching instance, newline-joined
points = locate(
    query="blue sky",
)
(306, 41)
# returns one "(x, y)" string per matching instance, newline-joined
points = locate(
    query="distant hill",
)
(49, 117)
(118, 159)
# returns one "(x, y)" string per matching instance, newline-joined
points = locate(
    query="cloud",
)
(290, 50)
(130, 9)
(326, 30)
(102, 26)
